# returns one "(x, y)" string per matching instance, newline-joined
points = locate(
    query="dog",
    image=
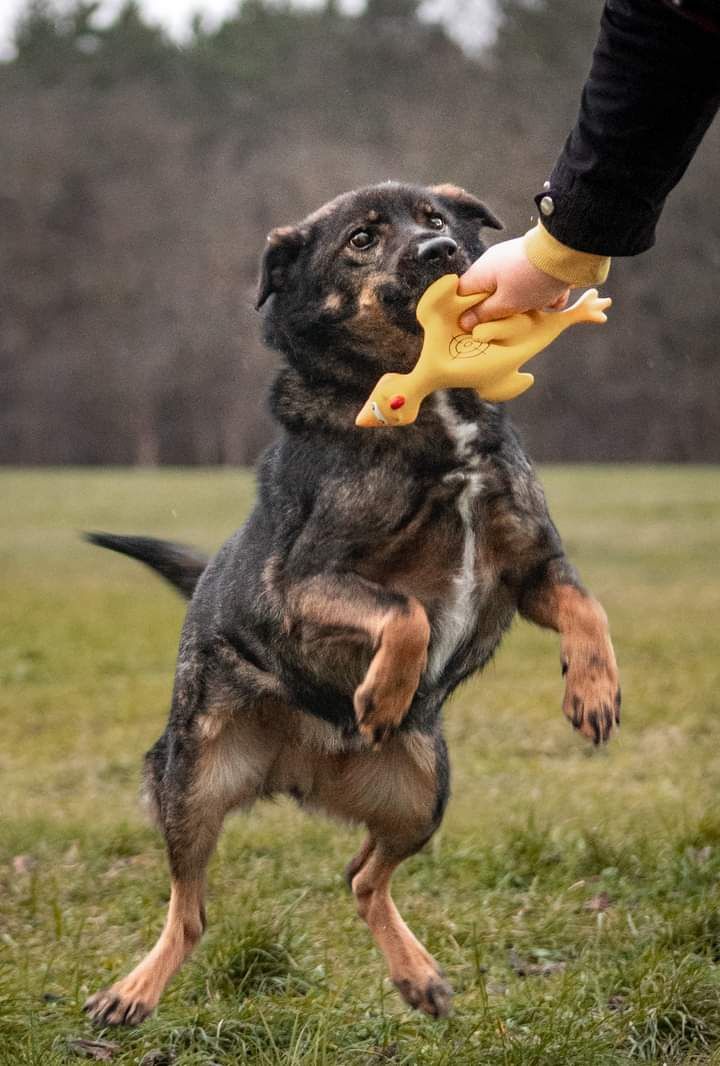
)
(378, 570)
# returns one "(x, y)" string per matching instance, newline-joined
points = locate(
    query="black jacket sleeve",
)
(651, 94)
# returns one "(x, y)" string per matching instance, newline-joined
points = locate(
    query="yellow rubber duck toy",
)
(486, 360)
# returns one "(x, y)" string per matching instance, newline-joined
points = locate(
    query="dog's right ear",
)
(466, 206)
(283, 247)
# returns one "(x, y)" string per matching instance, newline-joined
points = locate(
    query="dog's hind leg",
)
(359, 859)
(413, 970)
(400, 792)
(130, 1000)
(216, 766)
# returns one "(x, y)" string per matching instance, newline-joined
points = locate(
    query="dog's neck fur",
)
(302, 400)
(328, 407)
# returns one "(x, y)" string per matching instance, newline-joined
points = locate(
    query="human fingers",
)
(515, 284)
(490, 310)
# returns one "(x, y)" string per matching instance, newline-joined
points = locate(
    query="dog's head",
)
(348, 278)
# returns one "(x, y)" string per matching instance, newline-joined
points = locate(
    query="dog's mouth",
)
(399, 296)
(399, 311)
(413, 275)
(398, 290)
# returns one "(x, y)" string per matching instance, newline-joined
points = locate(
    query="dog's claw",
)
(592, 696)
(577, 714)
(105, 1008)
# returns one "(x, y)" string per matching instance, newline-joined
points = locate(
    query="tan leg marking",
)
(236, 752)
(413, 970)
(132, 999)
(339, 619)
(384, 697)
(592, 687)
(394, 791)
(592, 683)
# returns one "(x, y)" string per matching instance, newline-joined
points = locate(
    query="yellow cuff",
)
(562, 262)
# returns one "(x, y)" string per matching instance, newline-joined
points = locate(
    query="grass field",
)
(572, 894)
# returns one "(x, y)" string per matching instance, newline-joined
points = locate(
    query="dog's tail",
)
(179, 565)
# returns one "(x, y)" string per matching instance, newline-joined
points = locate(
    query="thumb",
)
(480, 277)
(489, 310)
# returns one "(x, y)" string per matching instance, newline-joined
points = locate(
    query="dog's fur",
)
(378, 569)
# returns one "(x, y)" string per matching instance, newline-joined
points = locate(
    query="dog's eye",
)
(436, 222)
(362, 239)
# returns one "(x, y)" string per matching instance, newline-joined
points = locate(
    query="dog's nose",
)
(436, 248)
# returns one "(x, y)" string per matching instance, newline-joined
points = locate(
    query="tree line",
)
(140, 177)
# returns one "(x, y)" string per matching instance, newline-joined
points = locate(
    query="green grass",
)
(539, 827)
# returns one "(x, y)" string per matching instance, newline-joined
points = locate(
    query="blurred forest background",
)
(140, 176)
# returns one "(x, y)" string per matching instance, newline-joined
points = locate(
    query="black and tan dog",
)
(378, 569)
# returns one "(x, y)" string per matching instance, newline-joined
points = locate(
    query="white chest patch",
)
(457, 618)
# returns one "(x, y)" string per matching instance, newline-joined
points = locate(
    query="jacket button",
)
(547, 206)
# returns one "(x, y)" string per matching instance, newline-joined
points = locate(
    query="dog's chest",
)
(456, 619)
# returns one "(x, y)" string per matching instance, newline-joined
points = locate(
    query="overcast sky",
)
(175, 15)
(479, 23)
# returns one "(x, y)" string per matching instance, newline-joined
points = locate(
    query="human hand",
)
(513, 282)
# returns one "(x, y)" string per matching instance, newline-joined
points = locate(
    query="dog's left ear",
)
(283, 247)
(465, 205)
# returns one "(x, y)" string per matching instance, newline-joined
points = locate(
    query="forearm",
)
(653, 90)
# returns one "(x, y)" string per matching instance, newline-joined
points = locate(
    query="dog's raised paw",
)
(592, 699)
(109, 1007)
(378, 716)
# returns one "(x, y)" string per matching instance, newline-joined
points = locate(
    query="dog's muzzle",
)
(417, 268)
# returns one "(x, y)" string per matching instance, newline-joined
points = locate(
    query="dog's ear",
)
(465, 205)
(283, 247)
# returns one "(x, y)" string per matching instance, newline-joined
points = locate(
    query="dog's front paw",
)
(592, 694)
(380, 710)
(384, 697)
(382, 701)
